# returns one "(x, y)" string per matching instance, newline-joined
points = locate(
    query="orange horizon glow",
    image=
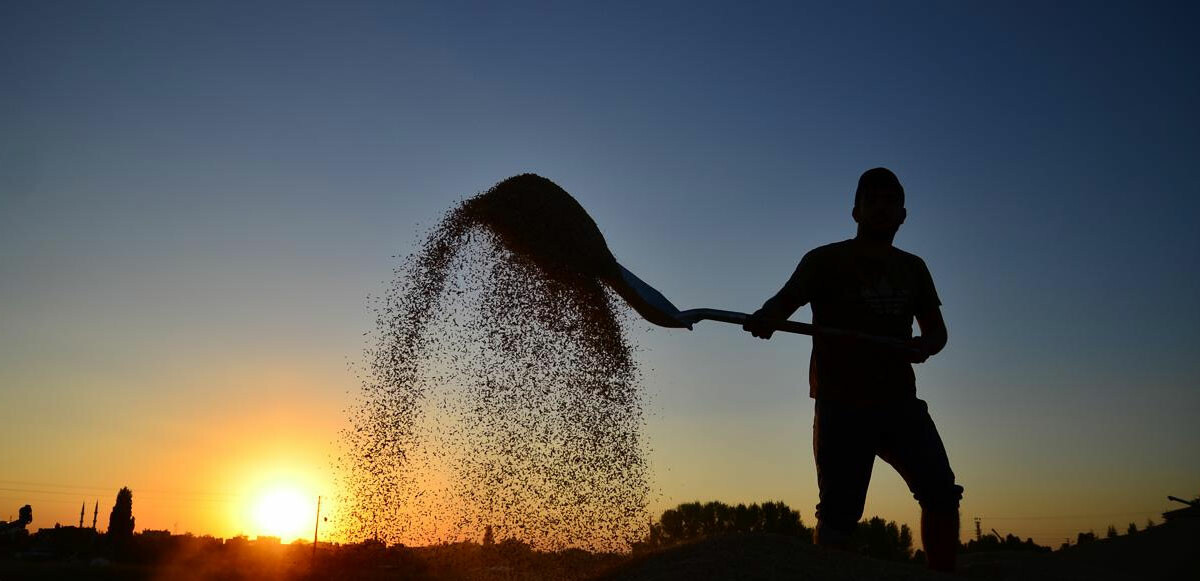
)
(213, 468)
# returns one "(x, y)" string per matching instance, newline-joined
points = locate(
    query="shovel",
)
(655, 308)
(537, 219)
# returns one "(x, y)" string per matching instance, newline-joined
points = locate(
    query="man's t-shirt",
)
(875, 291)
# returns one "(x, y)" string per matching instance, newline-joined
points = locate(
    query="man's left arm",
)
(933, 334)
(928, 312)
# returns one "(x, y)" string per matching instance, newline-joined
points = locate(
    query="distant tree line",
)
(1111, 533)
(1010, 542)
(693, 521)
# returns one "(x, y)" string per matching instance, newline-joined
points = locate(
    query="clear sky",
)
(196, 201)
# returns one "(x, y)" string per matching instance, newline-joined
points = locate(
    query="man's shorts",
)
(846, 439)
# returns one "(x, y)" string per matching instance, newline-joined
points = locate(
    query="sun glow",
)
(277, 491)
(284, 513)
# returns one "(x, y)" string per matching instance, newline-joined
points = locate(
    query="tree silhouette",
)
(693, 520)
(884, 540)
(1132, 529)
(1010, 542)
(120, 520)
(1111, 533)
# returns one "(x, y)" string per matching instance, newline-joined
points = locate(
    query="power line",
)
(140, 491)
(40, 491)
(1064, 517)
(31, 500)
(27, 483)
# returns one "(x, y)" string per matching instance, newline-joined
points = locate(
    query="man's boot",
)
(939, 534)
(830, 538)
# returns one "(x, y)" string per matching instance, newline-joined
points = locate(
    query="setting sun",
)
(277, 489)
(283, 513)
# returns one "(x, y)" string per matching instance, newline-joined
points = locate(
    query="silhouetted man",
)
(865, 392)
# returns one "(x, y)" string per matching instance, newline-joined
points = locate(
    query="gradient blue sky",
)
(196, 200)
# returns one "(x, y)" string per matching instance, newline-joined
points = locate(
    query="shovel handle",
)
(736, 318)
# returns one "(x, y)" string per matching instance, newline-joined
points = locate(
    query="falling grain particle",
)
(499, 388)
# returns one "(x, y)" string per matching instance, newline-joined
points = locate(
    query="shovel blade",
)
(647, 301)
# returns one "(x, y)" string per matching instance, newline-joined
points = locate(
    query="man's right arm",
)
(795, 293)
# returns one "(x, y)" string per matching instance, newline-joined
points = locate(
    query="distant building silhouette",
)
(64, 542)
(16, 529)
(1191, 511)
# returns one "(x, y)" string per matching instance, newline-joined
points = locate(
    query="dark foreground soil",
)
(761, 556)
(1166, 552)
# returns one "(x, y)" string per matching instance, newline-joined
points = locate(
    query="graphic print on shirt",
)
(881, 295)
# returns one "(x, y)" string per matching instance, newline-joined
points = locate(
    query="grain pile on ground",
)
(766, 557)
(1163, 553)
(499, 389)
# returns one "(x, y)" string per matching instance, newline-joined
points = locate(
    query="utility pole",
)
(316, 528)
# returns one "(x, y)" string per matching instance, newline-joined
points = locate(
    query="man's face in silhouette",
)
(880, 211)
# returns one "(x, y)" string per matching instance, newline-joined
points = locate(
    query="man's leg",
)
(913, 447)
(939, 534)
(844, 451)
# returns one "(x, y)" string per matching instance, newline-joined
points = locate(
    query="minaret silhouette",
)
(81, 507)
(95, 513)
